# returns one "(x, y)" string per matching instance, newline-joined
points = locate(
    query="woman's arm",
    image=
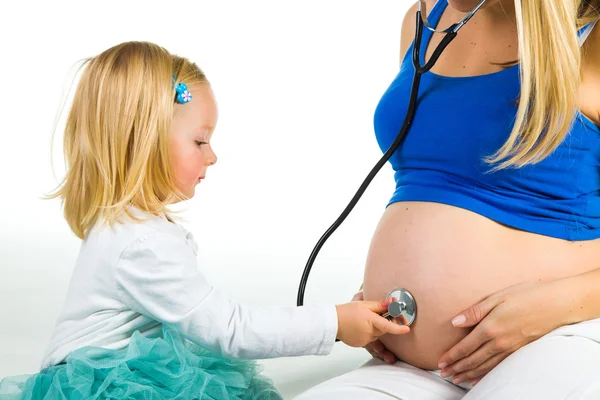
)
(582, 297)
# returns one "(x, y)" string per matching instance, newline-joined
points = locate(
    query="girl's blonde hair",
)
(116, 135)
(550, 63)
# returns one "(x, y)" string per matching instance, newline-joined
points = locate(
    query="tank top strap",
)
(433, 18)
(584, 32)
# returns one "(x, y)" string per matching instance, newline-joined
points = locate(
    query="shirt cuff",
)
(329, 320)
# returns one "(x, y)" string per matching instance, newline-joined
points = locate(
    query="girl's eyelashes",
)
(199, 143)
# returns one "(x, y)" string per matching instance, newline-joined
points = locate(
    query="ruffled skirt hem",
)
(147, 369)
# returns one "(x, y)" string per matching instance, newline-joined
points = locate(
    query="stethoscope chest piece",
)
(404, 308)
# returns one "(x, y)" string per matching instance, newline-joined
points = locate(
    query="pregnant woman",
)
(494, 225)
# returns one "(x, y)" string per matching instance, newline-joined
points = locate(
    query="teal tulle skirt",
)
(165, 368)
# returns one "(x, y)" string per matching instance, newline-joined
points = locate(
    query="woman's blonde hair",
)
(116, 135)
(550, 63)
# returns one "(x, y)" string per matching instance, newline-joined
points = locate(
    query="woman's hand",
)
(504, 322)
(376, 348)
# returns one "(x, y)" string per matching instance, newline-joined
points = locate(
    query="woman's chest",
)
(461, 121)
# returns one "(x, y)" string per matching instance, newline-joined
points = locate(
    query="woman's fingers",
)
(378, 350)
(358, 297)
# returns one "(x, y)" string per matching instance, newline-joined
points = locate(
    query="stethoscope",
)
(404, 308)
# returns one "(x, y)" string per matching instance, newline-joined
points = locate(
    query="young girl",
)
(140, 320)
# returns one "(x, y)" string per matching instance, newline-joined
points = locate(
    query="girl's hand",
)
(376, 348)
(504, 322)
(359, 322)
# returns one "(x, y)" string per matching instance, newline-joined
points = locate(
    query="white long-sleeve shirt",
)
(138, 275)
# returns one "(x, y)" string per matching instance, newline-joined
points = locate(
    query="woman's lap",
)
(561, 365)
(378, 380)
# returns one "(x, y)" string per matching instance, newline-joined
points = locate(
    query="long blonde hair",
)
(550, 64)
(116, 135)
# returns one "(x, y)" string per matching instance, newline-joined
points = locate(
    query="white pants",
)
(564, 364)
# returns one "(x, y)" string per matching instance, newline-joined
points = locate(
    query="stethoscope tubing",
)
(449, 35)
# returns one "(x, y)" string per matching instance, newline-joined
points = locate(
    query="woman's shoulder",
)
(407, 32)
(409, 25)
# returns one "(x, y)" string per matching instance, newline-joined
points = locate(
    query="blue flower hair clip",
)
(183, 94)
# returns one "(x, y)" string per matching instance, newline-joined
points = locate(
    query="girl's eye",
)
(200, 143)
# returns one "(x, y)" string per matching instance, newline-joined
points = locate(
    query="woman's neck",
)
(498, 10)
(492, 13)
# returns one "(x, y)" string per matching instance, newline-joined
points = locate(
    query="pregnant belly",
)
(449, 259)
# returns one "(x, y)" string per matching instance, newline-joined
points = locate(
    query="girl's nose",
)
(211, 159)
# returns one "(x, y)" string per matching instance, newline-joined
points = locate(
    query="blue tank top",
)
(459, 121)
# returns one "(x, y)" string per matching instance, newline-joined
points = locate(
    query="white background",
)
(297, 83)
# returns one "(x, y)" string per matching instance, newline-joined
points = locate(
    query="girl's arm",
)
(158, 277)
